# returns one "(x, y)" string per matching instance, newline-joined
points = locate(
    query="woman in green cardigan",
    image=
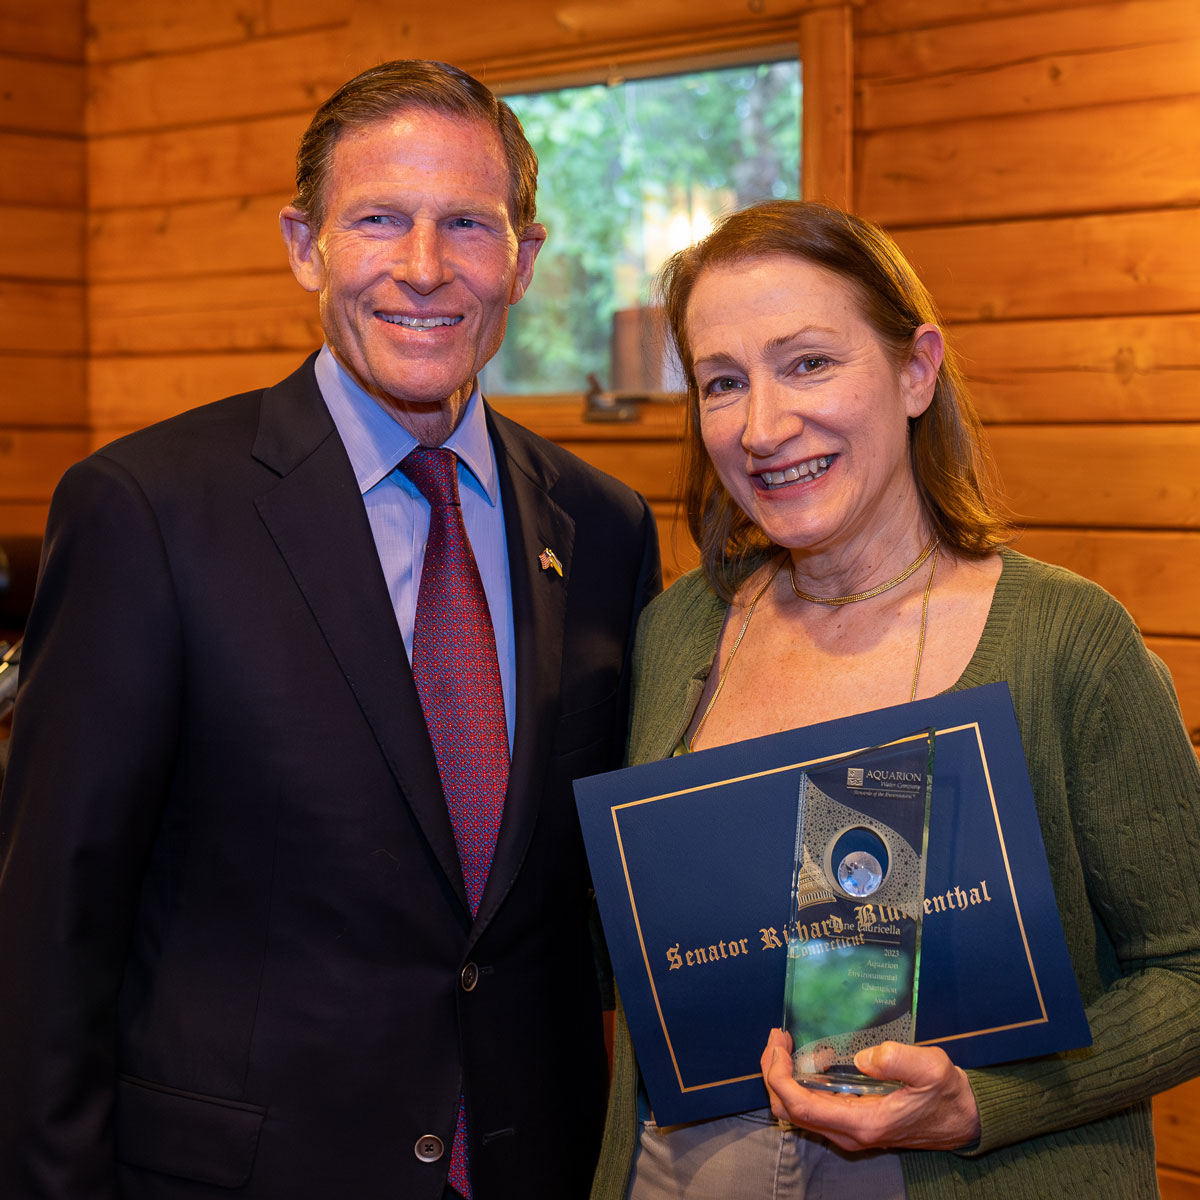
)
(852, 558)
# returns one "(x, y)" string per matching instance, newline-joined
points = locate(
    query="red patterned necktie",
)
(458, 679)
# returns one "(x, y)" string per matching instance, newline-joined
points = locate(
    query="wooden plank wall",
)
(1037, 159)
(1041, 166)
(1040, 163)
(194, 111)
(43, 406)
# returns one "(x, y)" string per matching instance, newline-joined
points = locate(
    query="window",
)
(630, 173)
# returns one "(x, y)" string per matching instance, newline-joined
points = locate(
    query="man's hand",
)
(934, 1110)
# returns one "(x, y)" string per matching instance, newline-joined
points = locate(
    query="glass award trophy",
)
(854, 932)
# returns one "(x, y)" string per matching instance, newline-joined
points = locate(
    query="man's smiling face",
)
(416, 261)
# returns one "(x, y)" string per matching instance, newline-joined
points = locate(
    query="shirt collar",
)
(376, 441)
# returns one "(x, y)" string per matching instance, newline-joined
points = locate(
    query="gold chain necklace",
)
(736, 643)
(933, 548)
(838, 601)
(924, 616)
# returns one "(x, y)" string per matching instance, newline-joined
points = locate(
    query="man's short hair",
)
(395, 87)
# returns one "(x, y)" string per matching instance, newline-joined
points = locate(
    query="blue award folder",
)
(692, 860)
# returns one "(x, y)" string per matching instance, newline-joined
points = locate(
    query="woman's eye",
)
(721, 386)
(810, 363)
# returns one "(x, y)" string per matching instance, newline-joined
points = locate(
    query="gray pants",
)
(751, 1157)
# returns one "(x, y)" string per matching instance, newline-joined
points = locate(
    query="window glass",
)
(630, 173)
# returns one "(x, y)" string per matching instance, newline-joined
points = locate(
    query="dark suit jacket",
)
(233, 928)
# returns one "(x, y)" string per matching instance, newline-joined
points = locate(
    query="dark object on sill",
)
(599, 405)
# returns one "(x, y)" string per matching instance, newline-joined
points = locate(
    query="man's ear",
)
(304, 254)
(528, 245)
(920, 372)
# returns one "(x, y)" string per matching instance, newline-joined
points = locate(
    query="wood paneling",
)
(40, 243)
(991, 38)
(562, 419)
(543, 32)
(20, 518)
(903, 16)
(237, 312)
(28, 458)
(1133, 73)
(41, 170)
(41, 317)
(1143, 570)
(1176, 1119)
(1178, 1185)
(214, 237)
(120, 29)
(982, 169)
(827, 37)
(1126, 476)
(40, 96)
(1124, 52)
(245, 158)
(260, 77)
(43, 409)
(1117, 369)
(127, 393)
(651, 467)
(47, 30)
(44, 391)
(1089, 266)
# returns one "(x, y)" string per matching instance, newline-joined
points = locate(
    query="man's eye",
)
(463, 223)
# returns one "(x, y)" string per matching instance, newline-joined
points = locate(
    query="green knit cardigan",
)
(1118, 794)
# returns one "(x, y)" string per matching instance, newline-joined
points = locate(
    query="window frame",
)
(823, 37)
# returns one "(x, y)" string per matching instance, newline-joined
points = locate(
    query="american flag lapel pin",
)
(549, 559)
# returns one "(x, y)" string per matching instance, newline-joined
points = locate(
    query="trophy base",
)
(849, 1082)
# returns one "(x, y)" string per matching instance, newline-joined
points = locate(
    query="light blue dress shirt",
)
(399, 515)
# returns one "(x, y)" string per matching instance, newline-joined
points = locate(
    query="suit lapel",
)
(316, 517)
(533, 522)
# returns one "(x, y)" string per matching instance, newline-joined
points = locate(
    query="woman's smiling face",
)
(803, 409)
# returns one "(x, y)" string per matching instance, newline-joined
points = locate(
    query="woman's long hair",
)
(952, 470)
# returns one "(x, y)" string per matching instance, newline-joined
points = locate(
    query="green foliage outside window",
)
(628, 174)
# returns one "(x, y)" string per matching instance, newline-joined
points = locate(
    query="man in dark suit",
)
(238, 953)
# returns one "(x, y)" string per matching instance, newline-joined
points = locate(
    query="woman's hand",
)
(934, 1110)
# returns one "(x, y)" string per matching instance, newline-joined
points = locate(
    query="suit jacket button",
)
(429, 1147)
(470, 977)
